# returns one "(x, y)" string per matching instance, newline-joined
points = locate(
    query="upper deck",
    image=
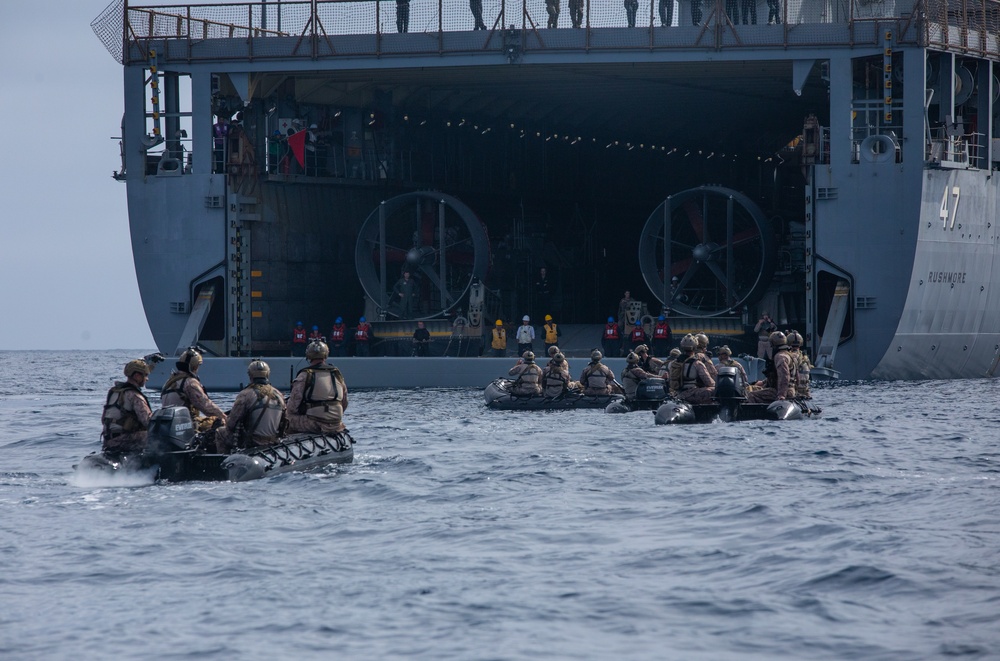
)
(341, 29)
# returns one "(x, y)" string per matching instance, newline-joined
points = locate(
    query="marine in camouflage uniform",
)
(704, 356)
(633, 374)
(183, 388)
(597, 378)
(555, 376)
(802, 366)
(779, 383)
(126, 412)
(726, 359)
(319, 395)
(527, 376)
(257, 418)
(697, 385)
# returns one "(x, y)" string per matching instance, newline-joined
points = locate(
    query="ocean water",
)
(464, 533)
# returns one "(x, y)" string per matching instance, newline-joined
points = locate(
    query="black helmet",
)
(595, 356)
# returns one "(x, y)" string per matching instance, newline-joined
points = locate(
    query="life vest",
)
(116, 418)
(299, 335)
(337, 333)
(802, 375)
(323, 396)
(316, 335)
(554, 382)
(551, 333)
(595, 378)
(661, 331)
(529, 379)
(525, 334)
(499, 338)
(611, 332)
(675, 371)
(173, 392)
(630, 381)
(637, 336)
(691, 378)
(263, 419)
(361, 334)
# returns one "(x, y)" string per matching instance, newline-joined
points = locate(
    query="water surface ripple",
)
(459, 532)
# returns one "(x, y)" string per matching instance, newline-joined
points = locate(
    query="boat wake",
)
(91, 477)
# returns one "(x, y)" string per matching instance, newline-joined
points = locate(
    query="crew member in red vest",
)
(338, 338)
(637, 336)
(362, 337)
(316, 336)
(611, 339)
(661, 337)
(299, 339)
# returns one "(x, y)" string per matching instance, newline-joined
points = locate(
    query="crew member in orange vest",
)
(362, 337)
(611, 339)
(316, 336)
(661, 337)
(338, 337)
(299, 339)
(637, 336)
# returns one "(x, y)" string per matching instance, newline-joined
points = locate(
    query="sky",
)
(67, 279)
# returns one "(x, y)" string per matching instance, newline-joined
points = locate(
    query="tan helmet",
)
(794, 339)
(675, 352)
(778, 338)
(317, 350)
(724, 350)
(642, 348)
(558, 359)
(702, 340)
(688, 342)
(529, 356)
(192, 359)
(499, 323)
(595, 356)
(548, 317)
(553, 350)
(258, 369)
(631, 358)
(137, 365)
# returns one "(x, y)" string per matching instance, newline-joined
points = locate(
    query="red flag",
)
(297, 143)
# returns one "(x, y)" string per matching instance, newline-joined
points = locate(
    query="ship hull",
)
(867, 195)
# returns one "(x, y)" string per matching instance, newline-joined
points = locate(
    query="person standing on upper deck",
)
(477, 14)
(773, 12)
(631, 7)
(666, 8)
(552, 8)
(576, 12)
(402, 16)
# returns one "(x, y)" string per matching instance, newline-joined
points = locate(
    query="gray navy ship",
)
(828, 162)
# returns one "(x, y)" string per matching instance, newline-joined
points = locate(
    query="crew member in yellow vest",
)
(552, 332)
(499, 343)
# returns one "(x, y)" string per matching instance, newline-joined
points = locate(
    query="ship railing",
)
(275, 29)
(946, 150)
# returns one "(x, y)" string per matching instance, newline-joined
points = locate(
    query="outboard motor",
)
(649, 394)
(170, 429)
(730, 392)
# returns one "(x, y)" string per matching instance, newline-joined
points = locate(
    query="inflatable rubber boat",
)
(498, 396)
(176, 453)
(731, 405)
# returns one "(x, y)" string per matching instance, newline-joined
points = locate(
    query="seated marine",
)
(257, 418)
(126, 411)
(183, 388)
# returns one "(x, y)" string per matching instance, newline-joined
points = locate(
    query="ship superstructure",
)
(833, 167)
